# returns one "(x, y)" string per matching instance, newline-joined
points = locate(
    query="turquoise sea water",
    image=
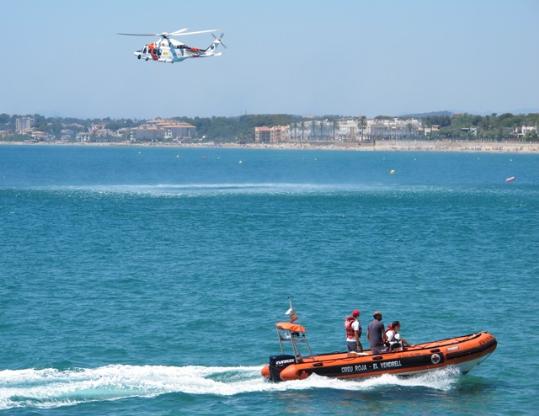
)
(142, 281)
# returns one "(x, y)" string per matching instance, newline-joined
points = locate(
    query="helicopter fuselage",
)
(170, 51)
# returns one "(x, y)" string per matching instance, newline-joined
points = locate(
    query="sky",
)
(63, 58)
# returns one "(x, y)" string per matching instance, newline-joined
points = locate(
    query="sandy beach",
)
(410, 146)
(379, 146)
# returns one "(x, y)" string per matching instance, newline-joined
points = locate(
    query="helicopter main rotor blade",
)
(193, 33)
(177, 32)
(139, 34)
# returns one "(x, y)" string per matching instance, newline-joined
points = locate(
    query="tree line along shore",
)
(279, 130)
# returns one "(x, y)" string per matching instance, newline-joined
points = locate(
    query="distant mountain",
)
(429, 114)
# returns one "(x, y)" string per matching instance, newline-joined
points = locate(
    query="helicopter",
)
(169, 50)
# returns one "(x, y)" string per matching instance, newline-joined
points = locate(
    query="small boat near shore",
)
(462, 352)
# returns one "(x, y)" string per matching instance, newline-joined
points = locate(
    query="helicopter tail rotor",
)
(218, 40)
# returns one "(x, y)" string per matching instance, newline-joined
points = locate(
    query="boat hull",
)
(462, 353)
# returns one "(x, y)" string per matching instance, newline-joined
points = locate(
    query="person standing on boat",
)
(353, 332)
(376, 334)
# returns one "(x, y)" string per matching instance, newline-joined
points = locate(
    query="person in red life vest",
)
(353, 332)
(154, 51)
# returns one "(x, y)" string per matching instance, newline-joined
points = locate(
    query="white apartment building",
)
(393, 128)
(274, 134)
(23, 124)
(313, 130)
(347, 129)
(522, 131)
(163, 129)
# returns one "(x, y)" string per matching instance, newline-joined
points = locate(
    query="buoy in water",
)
(510, 179)
(392, 171)
(240, 162)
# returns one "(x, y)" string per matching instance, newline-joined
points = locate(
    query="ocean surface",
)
(147, 281)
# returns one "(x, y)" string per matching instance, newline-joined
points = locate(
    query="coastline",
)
(380, 146)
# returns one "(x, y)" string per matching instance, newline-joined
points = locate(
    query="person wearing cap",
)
(353, 332)
(376, 334)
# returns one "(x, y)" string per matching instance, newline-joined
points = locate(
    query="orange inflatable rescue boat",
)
(462, 352)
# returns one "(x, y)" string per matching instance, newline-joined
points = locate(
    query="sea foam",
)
(47, 388)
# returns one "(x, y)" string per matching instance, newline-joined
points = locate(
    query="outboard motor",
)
(278, 363)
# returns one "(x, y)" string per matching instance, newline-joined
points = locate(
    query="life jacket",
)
(350, 333)
(153, 51)
(389, 328)
(394, 341)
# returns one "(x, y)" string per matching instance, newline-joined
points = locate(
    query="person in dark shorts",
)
(376, 334)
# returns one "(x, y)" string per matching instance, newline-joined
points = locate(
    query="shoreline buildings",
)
(23, 124)
(346, 129)
(163, 129)
(315, 130)
(273, 135)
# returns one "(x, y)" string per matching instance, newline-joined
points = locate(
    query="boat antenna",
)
(291, 312)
